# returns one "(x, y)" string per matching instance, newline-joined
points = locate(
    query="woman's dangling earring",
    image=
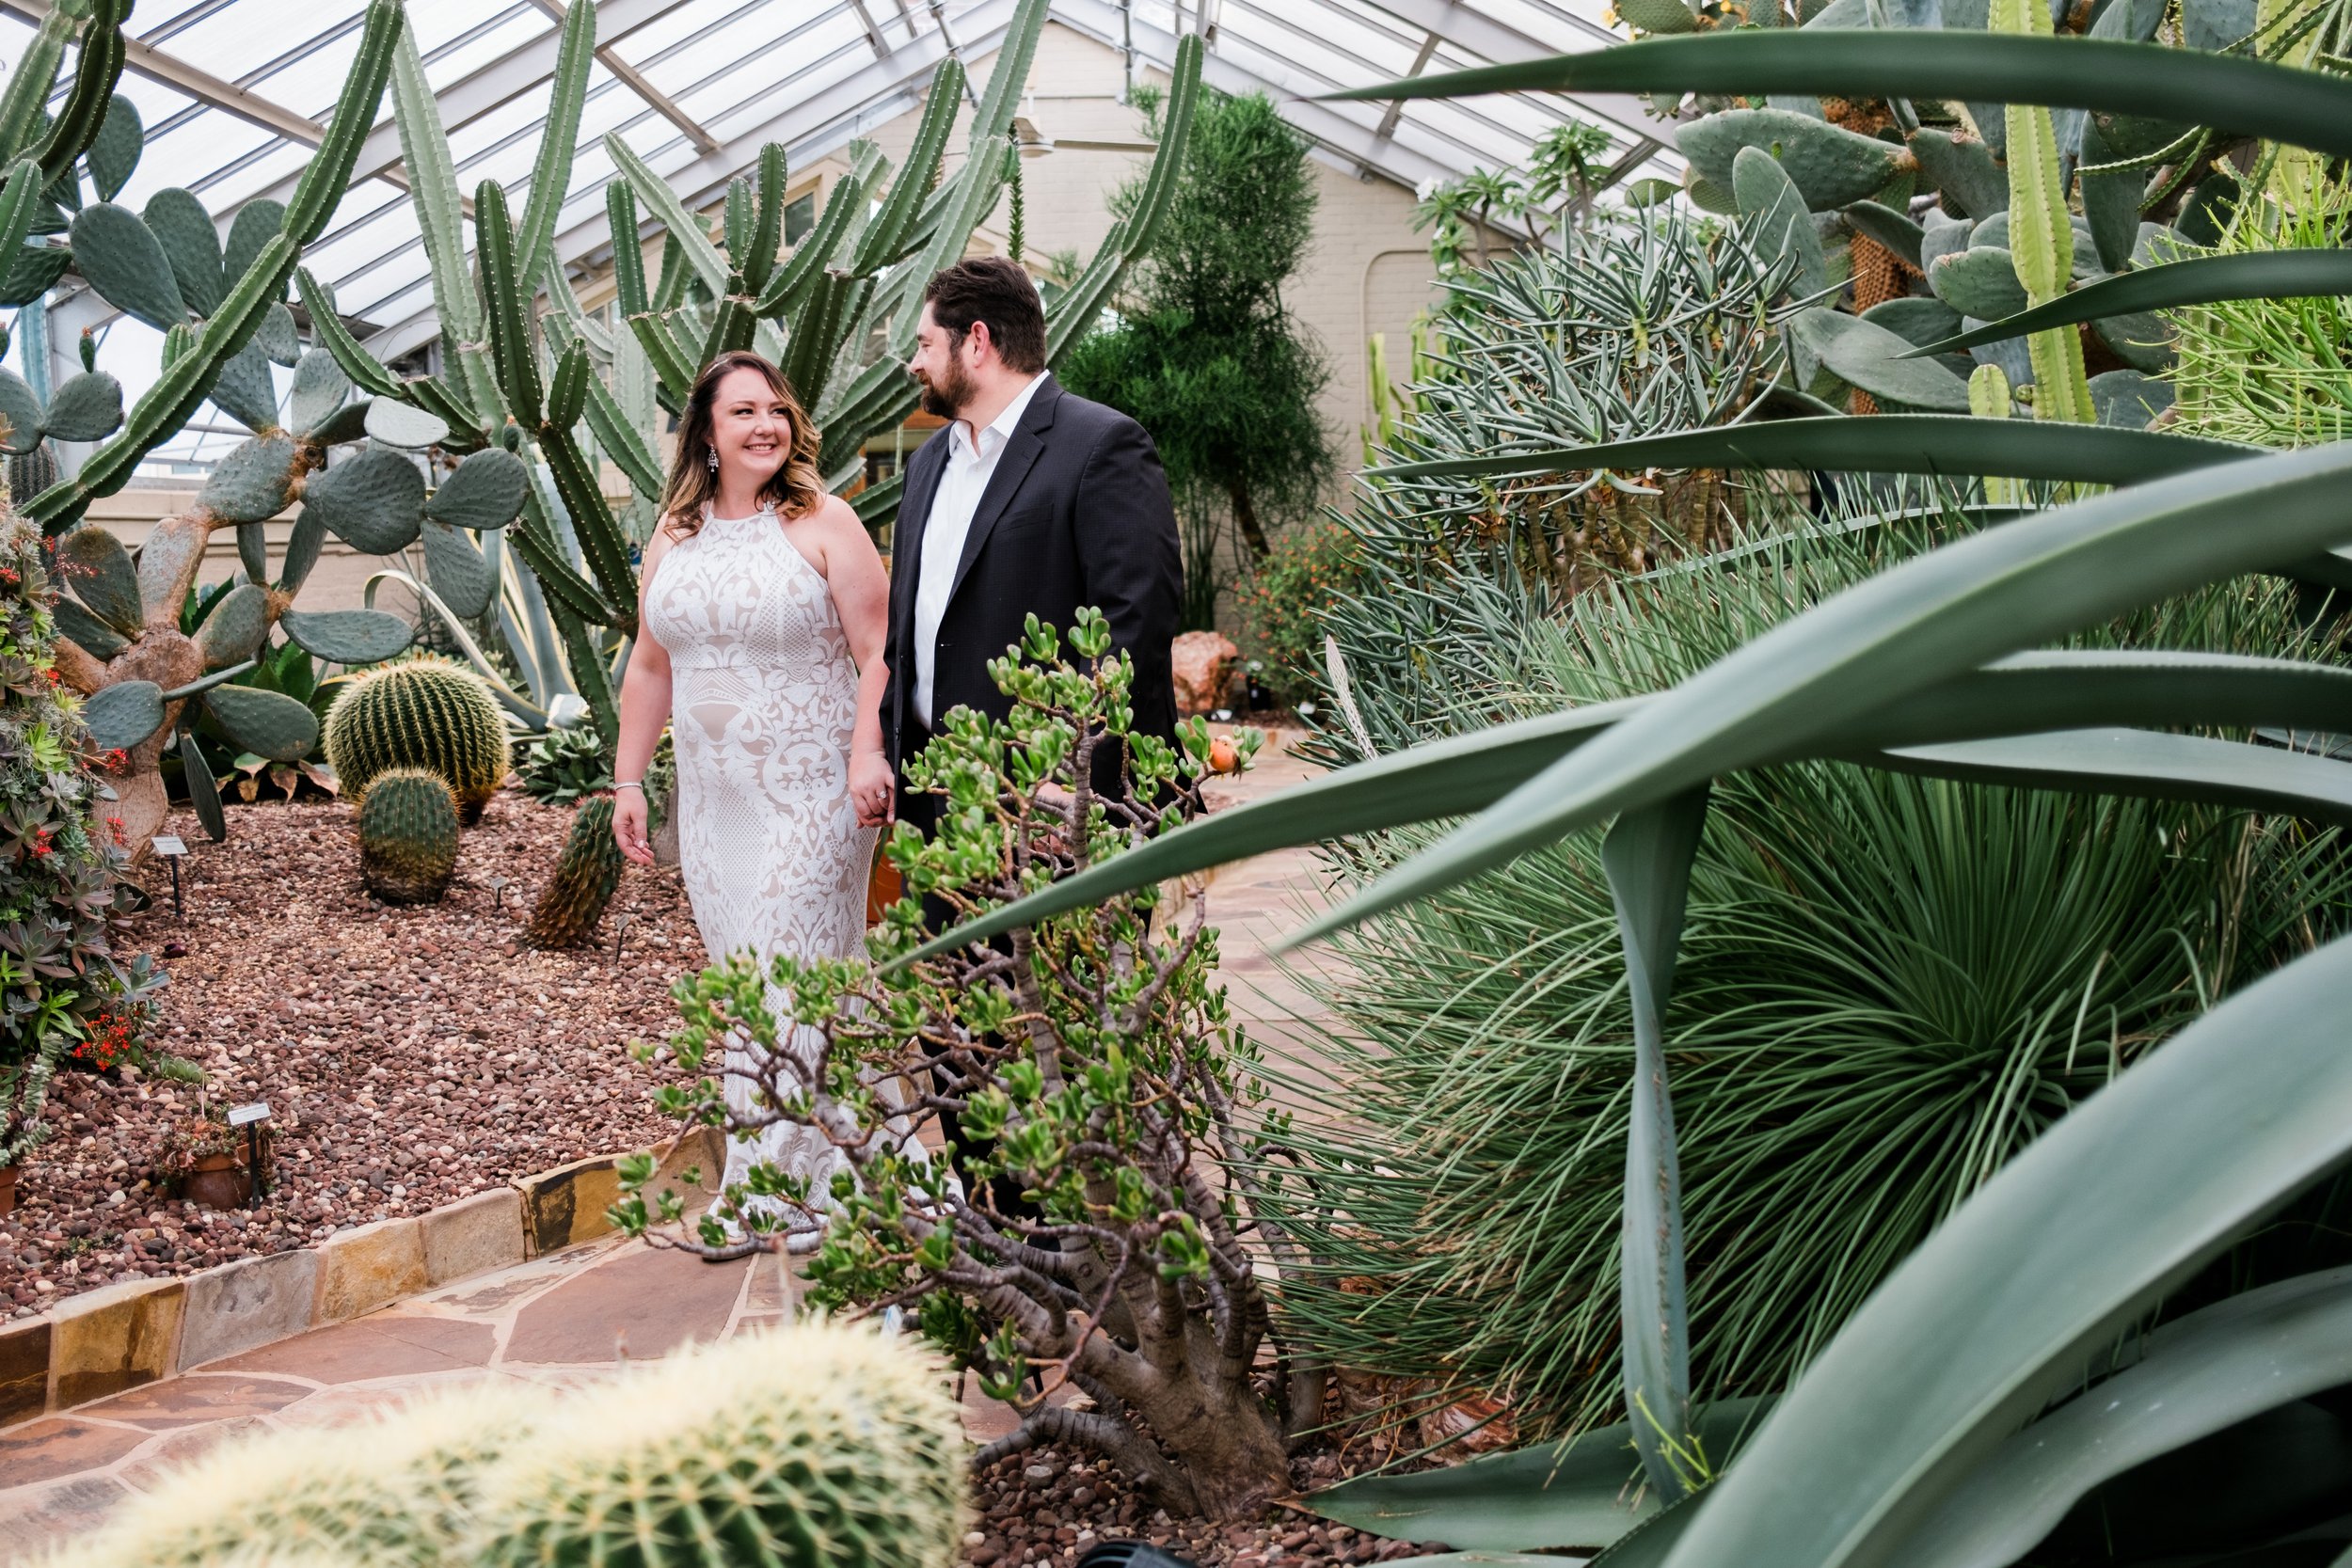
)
(714, 459)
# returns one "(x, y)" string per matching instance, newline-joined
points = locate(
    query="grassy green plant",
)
(1887, 985)
(2275, 372)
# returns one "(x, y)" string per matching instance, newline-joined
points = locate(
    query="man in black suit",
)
(1030, 501)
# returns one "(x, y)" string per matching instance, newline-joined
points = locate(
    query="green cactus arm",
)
(588, 674)
(601, 541)
(584, 327)
(551, 174)
(876, 503)
(891, 229)
(621, 441)
(1168, 163)
(767, 218)
(366, 371)
(568, 390)
(176, 393)
(788, 285)
(27, 93)
(435, 193)
(731, 326)
(738, 218)
(676, 276)
(327, 175)
(857, 406)
(438, 397)
(816, 348)
(508, 308)
(532, 536)
(19, 203)
(94, 77)
(685, 229)
(673, 363)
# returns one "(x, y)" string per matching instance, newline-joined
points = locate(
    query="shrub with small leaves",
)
(1094, 1068)
(1283, 603)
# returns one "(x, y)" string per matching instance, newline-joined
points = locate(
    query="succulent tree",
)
(560, 390)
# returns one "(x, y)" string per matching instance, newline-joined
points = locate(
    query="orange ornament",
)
(1223, 758)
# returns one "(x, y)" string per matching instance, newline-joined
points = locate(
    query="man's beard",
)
(946, 399)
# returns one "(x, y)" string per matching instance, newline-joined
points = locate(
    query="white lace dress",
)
(763, 704)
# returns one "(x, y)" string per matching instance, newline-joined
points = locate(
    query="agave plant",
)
(560, 390)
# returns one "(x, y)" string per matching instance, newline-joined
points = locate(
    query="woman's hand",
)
(871, 787)
(628, 825)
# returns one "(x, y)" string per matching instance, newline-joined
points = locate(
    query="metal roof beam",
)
(634, 80)
(810, 127)
(1468, 29)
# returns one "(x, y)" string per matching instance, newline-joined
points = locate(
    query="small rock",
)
(1037, 1474)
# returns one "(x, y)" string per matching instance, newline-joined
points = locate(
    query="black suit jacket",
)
(1076, 512)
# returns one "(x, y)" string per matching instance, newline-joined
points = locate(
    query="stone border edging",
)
(103, 1342)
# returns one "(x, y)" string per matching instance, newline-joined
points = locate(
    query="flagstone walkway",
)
(558, 1320)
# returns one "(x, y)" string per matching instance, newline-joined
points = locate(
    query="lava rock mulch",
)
(409, 1056)
(1052, 1505)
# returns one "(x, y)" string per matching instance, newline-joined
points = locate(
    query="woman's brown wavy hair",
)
(795, 489)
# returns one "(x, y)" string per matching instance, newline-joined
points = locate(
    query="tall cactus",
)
(860, 269)
(2042, 234)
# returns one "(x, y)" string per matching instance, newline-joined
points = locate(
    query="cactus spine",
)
(408, 836)
(428, 713)
(585, 876)
(819, 1447)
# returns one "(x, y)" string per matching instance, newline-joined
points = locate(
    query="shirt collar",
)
(998, 430)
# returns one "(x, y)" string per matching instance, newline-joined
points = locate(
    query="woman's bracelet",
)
(637, 784)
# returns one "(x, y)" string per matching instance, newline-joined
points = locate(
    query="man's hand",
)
(628, 825)
(871, 788)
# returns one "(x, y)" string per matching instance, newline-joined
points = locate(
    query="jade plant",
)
(562, 391)
(1096, 1071)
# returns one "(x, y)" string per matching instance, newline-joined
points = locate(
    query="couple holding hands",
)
(796, 675)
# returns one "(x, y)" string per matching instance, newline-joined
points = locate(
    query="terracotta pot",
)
(218, 1181)
(7, 1191)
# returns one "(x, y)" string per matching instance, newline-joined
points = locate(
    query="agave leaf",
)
(1585, 1492)
(2139, 763)
(2200, 280)
(1463, 774)
(2209, 1371)
(2305, 108)
(2123, 1197)
(1646, 858)
(1934, 617)
(1890, 443)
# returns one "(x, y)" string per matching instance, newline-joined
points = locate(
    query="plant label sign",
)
(168, 843)
(240, 1115)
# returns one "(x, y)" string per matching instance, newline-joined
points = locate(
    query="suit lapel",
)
(1022, 449)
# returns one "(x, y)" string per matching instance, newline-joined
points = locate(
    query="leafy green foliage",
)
(566, 763)
(1283, 603)
(1100, 1075)
(1206, 355)
(64, 987)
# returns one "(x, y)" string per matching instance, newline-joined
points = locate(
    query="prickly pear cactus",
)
(813, 1446)
(427, 713)
(586, 874)
(408, 836)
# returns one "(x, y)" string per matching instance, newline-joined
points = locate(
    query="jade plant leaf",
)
(122, 714)
(372, 500)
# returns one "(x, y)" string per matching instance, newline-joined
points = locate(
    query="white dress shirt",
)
(961, 484)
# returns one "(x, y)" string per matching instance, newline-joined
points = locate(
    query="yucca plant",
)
(562, 391)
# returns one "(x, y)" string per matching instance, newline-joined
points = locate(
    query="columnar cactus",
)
(877, 240)
(408, 836)
(574, 899)
(429, 714)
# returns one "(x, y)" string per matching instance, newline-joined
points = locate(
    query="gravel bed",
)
(409, 1056)
(1049, 1506)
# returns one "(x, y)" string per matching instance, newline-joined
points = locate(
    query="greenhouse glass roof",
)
(234, 93)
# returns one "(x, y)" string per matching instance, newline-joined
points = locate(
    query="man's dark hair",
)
(995, 289)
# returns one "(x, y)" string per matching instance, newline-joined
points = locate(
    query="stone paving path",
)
(561, 1319)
